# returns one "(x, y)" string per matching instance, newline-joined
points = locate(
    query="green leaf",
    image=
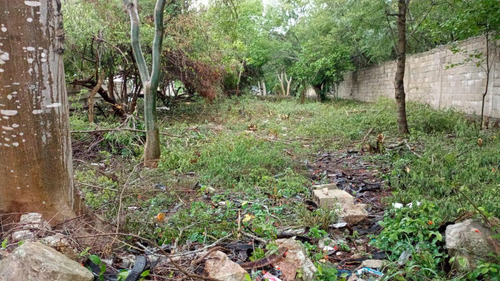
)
(4, 243)
(95, 259)
(145, 273)
(123, 275)
(247, 277)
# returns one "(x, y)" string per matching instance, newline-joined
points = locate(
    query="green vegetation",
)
(245, 158)
(237, 164)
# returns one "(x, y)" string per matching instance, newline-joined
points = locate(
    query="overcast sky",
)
(205, 2)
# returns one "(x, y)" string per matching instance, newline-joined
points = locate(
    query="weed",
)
(413, 230)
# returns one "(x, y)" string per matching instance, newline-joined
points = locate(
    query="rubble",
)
(22, 235)
(219, 266)
(351, 213)
(296, 260)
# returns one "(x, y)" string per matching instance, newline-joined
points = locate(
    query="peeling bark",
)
(35, 149)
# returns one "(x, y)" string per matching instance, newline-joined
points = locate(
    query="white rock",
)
(34, 261)
(22, 235)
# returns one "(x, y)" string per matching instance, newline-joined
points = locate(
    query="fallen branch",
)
(366, 136)
(117, 130)
(416, 154)
(265, 261)
(261, 240)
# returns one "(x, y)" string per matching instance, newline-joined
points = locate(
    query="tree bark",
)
(400, 70)
(35, 149)
(288, 84)
(281, 78)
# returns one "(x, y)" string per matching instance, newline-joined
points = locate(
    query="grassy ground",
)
(250, 155)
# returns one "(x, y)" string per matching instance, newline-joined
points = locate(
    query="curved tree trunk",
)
(35, 150)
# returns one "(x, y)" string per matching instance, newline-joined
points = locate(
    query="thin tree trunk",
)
(36, 173)
(111, 84)
(152, 150)
(92, 96)
(487, 79)
(264, 90)
(400, 70)
(288, 83)
(282, 83)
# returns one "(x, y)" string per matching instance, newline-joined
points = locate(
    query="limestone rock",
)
(335, 198)
(471, 240)
(34, 261)
(296, 259)
(22, 235)
(61, 244)
(219, 266)
(33, 221)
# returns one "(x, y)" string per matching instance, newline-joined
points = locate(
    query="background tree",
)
(477, 17)
(400, 68)
(150, 83)
(35, 150)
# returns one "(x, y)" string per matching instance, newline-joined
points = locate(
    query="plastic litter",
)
(369, 271)
(397, 205)
(339, 225)
(344, 273)
(404, 257)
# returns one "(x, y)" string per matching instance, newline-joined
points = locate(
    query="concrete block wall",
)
(429, 79)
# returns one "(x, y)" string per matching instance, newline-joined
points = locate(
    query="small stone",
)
(210, 189)
(56, 240)
(61, 244)
(220, 267)
(33, 221)
(22, 235)
(326, 242)
(373, 263)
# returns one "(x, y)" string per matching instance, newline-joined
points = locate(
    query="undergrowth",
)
(244, 158)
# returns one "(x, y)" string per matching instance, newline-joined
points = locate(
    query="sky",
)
(205, 2)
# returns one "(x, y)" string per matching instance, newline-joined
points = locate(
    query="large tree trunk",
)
(400, 70)
(35, 150)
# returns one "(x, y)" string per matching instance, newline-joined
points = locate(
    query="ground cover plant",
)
(240, 166)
